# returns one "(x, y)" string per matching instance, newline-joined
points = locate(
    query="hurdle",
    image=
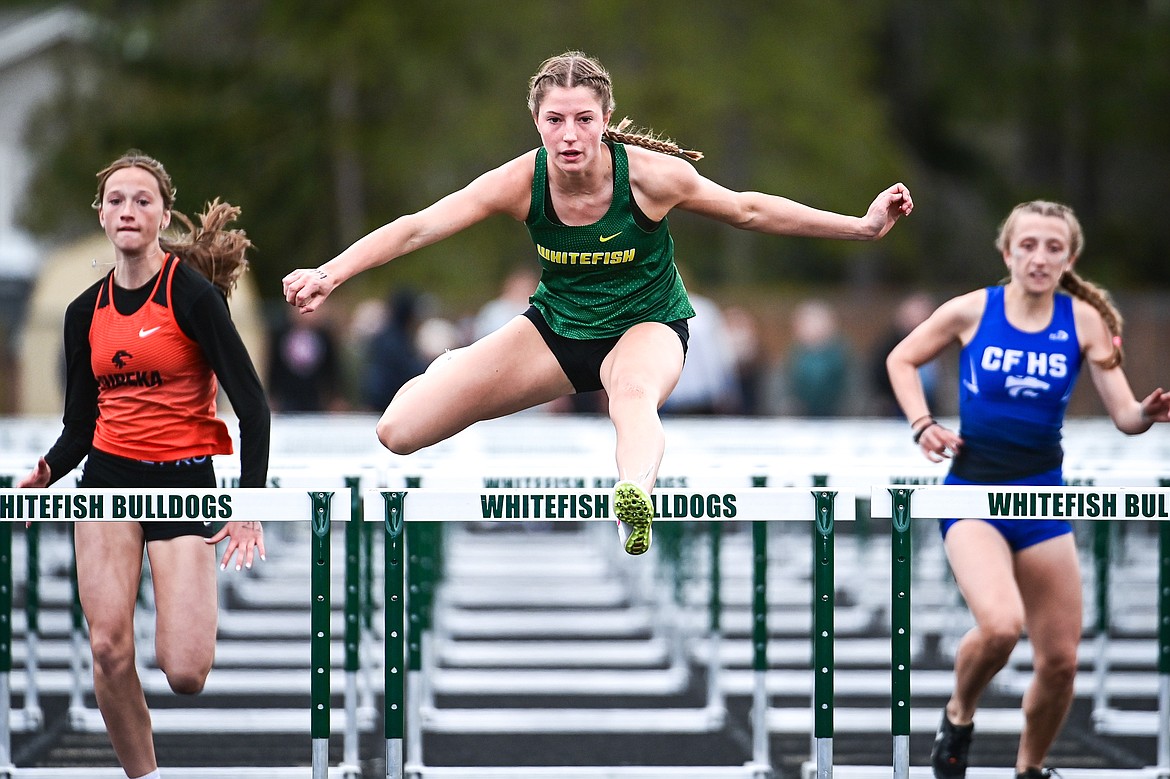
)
(209, 505)
(405, 512)
(360, 711)
(1107, 719)
(903, 504)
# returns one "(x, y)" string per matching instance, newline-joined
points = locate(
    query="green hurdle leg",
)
(715, 698)
(5, 645)
(395, 644)
(353, 540)
(760, 752)
(824, 599)
(319, 642)
(77, 641)
(900, 630)
(33, 716)
(1102, 543)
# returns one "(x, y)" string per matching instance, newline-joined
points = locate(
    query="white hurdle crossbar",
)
(319, 507)
(902, 504)
(410, 563)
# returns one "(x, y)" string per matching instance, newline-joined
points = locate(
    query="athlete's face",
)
(132, 211)
(1039, 252)
(570, 121)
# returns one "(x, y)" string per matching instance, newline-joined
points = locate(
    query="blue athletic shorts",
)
(1019, 533)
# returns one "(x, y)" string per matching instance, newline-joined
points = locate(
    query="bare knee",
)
(390, 434)
(1000, 636)
(628, 391)
(1058, 668)
(187, 681)
(113, 657)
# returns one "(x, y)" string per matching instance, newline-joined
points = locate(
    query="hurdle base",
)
(746, 771)
(1118, 722)
(702, 720)
(924, 772)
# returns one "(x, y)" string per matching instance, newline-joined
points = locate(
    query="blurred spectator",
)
(814, 376)
(393, 357)
(512, 301)
(304, 373)
(912, 311)
(708, 383)
(743, 335)
(436, 336)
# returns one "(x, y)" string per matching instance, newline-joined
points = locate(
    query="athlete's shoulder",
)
(192, 291)
(1090, 323)
(657, 162)
(188, 278)
(502, 187)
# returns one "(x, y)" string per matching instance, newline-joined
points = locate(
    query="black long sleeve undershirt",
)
(202, 314)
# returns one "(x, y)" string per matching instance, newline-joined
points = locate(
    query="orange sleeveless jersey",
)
(156, 392)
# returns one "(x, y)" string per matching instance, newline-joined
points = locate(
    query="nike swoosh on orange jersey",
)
(142, 333)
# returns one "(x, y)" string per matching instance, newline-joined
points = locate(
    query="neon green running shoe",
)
(635, 514)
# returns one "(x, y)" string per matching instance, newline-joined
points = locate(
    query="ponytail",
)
(217, 253)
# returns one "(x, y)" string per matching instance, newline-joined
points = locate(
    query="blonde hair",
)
(577, 69)
(220, 255)
(1096, 296)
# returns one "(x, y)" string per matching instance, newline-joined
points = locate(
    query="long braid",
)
(218, 254)
(647, 140)
(1098, 298)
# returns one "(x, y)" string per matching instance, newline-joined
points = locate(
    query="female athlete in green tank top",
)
(610, 310)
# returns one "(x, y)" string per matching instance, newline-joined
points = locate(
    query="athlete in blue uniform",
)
(1023, 345)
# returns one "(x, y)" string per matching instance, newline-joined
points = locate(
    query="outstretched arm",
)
(503, 190)
(662, 183)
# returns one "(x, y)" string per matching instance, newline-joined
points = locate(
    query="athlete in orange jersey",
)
(145, 349)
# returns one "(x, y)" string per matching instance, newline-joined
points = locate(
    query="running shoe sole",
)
(635, 515)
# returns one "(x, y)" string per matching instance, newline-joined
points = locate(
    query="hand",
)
(307, 288)
(38, 477)
(887, 208)
(1156, 406)
(939, 443)
(247, 538)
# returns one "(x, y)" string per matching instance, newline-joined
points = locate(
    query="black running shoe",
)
(948, 758)
(1038, 773)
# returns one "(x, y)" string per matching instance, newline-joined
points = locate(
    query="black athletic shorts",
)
(581, 358)
(107, 470)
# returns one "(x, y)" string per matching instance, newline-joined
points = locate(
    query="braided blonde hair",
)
(218, 254)
(577, 69)
(1070, 281)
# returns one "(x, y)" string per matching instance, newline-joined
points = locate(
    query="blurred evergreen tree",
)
(325, 120)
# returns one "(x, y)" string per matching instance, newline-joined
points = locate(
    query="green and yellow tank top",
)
(599, 280)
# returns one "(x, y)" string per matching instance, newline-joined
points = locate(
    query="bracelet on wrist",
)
(918, 433)
(922, 418)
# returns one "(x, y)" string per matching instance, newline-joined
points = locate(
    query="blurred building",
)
(40, 49)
